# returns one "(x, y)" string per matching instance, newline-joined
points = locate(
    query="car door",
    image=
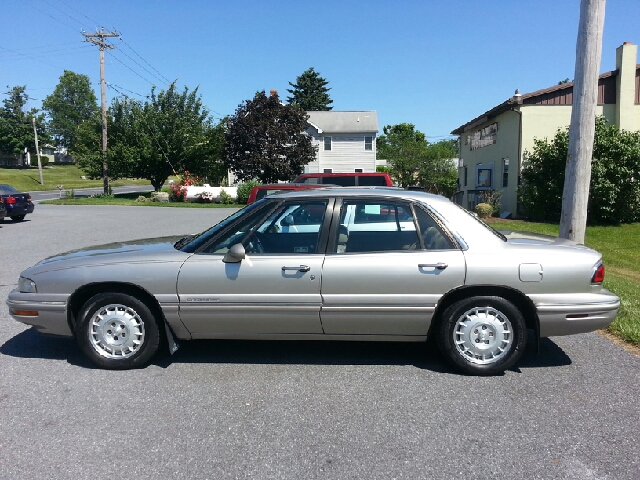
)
(275, 289)
(389, 264)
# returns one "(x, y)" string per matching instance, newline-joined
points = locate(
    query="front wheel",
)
(117, 331)
(482, 335)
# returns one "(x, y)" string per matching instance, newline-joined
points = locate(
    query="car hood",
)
(116, 252)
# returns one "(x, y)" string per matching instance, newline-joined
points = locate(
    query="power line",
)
(65, 13)
(32, 58)
(51, 16)
(95, 24)
(141, 66)
(131, 48)
(120, 61)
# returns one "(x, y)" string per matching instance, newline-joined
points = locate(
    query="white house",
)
(345, 141)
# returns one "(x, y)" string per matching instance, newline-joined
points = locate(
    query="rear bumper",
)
(575, 313)
(51, 317)
(13, 210)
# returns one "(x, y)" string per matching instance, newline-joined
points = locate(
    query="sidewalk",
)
(38, 196)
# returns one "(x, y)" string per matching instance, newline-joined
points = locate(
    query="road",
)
(38, 196)
(279, 410)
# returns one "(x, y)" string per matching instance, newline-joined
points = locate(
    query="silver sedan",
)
(333, 264)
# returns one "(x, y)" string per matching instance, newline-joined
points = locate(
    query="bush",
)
(244, 189)
(70, 193)
(141, 199)
(492, 198)
(204, 197)
(484, 210)
(614, 191)
(225, 198)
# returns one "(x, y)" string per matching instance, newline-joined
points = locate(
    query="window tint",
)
(346, 181)
(432, 235)
(292, 227)
(374, 226)
(372, 181)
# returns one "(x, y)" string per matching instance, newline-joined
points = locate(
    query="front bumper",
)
(51, 311)
(568, 314)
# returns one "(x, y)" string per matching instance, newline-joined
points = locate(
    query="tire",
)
(17, 218)
(482, 335)
(117, 331)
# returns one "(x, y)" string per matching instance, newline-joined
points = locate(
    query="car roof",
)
(392, 192)
(284, 186)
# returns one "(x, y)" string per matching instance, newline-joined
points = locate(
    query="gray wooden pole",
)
(575, 196)
(98, 39)
(103, 96)
(35, 134)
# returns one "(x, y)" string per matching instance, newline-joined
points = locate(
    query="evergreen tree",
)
(310, 92)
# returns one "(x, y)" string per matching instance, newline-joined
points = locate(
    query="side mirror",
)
(235, 254)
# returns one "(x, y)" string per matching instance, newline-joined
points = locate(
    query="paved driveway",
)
(278, 410)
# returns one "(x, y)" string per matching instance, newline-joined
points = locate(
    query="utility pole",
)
(35, 134)
(98, 39)
(575, 196)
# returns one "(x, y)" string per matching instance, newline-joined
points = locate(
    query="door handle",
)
(439, 265)
(301, 268)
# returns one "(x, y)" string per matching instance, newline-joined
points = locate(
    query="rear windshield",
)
(7, 189)
(372, 181)
(349, 181)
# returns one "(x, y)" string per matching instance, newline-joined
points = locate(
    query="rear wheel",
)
(117, 331)
(482, 335)
(17, 218)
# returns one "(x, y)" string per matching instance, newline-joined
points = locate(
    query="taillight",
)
(11, 200)
(598, 274)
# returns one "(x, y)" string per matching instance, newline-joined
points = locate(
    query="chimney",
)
(626, 55)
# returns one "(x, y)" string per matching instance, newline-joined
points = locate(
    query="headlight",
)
(26, 285)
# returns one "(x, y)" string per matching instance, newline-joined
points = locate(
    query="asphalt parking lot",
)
(284, 410)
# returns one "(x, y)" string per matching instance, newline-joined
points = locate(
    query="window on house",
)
(358, 170)
(327, 143)
(368, 143)
(483, 179)
(505, 172)
(465, 176)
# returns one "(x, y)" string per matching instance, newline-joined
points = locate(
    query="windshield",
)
(190, 243)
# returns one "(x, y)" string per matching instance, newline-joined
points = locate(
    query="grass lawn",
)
(620, 248)
(28, 179)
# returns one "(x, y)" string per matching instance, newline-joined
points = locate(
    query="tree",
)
(310, 92)
(437, 172)
(167, 134)
(265, 140)
(16, 128)
(614, 192)
(413, 160)
(71, 103)
(403, 147)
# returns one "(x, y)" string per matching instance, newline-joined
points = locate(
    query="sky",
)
(434, 63)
